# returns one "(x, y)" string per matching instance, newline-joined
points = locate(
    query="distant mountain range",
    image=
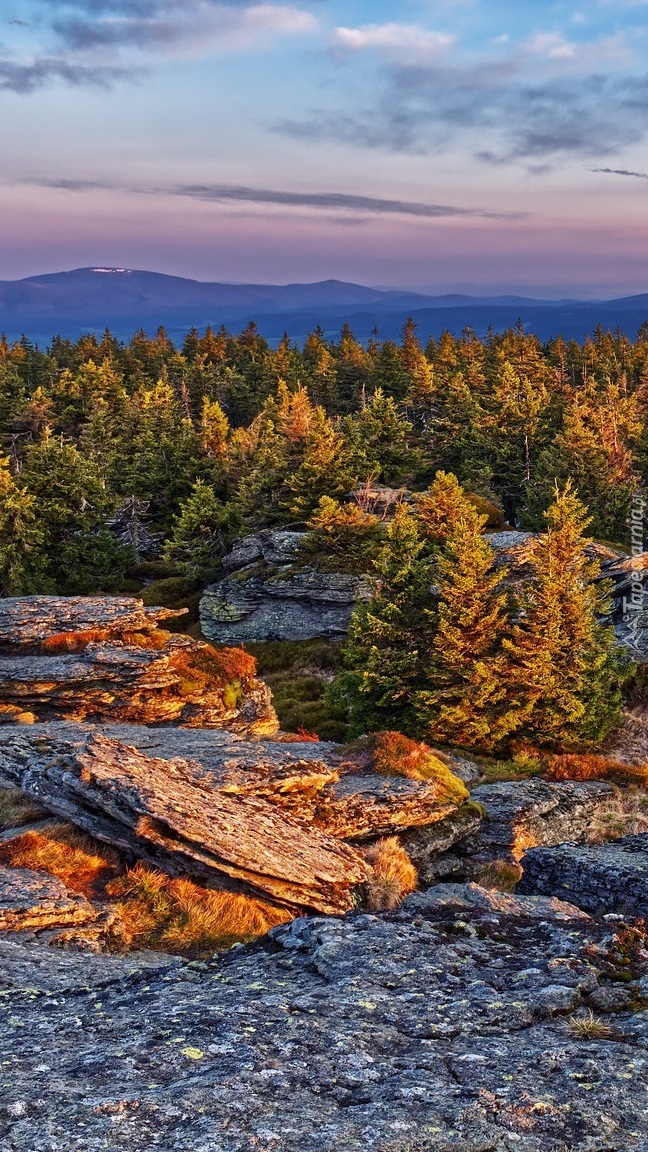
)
(92, 299)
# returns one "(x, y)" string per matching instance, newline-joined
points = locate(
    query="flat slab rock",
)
(600, 878)
(36, 900)
(169, 813)
(310, 781)
(441, 1028)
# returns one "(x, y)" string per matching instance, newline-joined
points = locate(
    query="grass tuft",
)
(589, 1027)
(393, 876)
(82, 863)
(17, 809)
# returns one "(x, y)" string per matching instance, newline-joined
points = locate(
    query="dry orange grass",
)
(17, 809)
(82, 863)
(591, 767)
(393, 875)
(62, 642)
(177, 915)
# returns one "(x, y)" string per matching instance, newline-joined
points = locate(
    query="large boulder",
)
(456, 1025)
(600, 878)
(265, 818)
(271, 593)
(104, 658)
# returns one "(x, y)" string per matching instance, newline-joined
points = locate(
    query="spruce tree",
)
(390, 634)
(566, 667)
(466, 698)
(21, 539)
(202, 531)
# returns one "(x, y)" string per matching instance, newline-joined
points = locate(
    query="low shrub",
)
(396, 755)
(495, 518)
(150, 570)
(625, 815)
(393, 876)
(342, 537)
(179, 916)
(571, 766)
(82, 863)
(174, 592)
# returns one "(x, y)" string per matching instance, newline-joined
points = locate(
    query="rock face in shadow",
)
(104, 658)
(270, 592)
(600, 878)
(441, 1028)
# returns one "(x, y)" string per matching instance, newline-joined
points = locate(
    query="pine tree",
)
(390, 634)
(466, 698)
(201, 532)
(442, 507)
(566, 667)
(21, 560)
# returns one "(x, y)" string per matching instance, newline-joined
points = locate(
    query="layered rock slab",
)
(270, 592)
(169, 813)
(439, 1029)
(600, 878)
(103, 658)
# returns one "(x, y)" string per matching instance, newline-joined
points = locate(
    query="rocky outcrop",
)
(104, 658)
(167, 813)
(521, 814)
(500, 823)
(603, 878)
(263, 818)
(444, 1027)
(35, 900)
(271, 593)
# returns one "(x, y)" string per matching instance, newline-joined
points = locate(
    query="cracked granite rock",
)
(440, 1028)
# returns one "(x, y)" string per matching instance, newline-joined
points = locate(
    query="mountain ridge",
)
(90, 299)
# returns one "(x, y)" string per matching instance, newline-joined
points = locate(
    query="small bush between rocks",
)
(179, 916)
(625, 815)
(62, 642)
(396, 755)
(570, 766)
(393, 875)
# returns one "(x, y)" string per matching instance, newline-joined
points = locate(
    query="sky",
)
(442, 145)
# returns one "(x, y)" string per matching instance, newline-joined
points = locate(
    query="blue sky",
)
(462, 144)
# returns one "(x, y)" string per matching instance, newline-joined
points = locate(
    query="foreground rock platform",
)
(609, 877)
(441, 1028)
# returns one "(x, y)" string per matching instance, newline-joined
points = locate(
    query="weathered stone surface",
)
(422, 1032)
(600, 878)
(31, 965)
(29, 620)
(523, 813)
(155, 679)
(216, 806)
(271, 594)
(35, 900)
(168, 813)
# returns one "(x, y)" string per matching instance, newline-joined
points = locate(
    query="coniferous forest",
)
(113, 453)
